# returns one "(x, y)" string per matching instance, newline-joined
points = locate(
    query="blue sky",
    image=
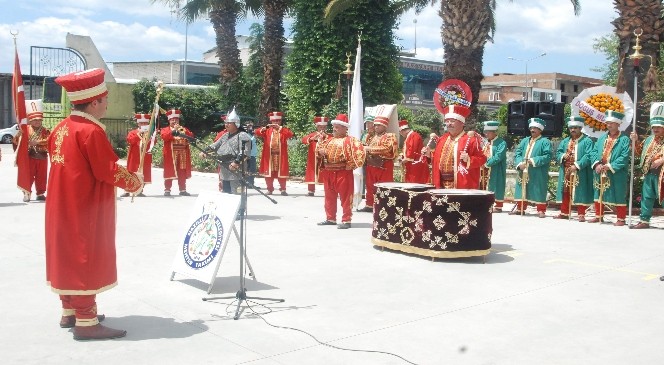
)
(136, 30)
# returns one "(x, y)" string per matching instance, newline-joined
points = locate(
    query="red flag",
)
(22, 158)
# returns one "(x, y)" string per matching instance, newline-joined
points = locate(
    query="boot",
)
(96, 332)
(70, 321)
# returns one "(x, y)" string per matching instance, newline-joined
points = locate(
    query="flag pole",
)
(146, 140)
(22, 161)
(636, 58)
(356, 119)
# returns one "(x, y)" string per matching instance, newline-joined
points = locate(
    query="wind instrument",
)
(146, 137)
(485, 171)
(180, 129)
(574, 181)
(601, 185)
(524, 174)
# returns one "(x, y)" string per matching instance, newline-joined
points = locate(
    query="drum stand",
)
(241, 294)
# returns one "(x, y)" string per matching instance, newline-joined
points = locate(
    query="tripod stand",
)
(241, 294)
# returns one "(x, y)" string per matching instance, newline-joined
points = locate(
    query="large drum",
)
(445, 223)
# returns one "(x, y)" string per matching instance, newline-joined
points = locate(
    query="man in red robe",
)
(458, 156)
(81, 210)
(177, 155)
(380, 155)
(311, 175)
(341, 154)
(37, 137)
(274, 157)
(415, 169)
(135, 140)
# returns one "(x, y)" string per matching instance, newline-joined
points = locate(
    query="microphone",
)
(177, 133)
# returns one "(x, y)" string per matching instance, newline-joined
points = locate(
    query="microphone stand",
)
(241, 294)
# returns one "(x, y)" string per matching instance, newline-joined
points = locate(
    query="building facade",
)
(502, 88)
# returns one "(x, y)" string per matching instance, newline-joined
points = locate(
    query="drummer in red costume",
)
(177, 155)
(37, 137)
(458, 156)
(415, 169)
(81, 210)
(311, 175)
(274, 158)
(135, 138)
(341, 154)
(380, 155)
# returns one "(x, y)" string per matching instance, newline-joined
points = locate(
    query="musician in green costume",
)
(611, 163)
(652, 159)
(575, 175)
(494, 171)
(532, 159)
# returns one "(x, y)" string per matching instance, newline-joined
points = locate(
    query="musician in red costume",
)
(415, 169)
(458, 156)
(311, 175)
(81, 206)
(177, 154)
(135, 139)
(380, 154)
(274, 157)
(37, 137)
(341, 154)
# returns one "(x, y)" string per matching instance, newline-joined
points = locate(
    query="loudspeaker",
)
(554, 115)
(518, 113)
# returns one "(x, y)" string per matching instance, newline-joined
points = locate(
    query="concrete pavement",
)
(551, 292)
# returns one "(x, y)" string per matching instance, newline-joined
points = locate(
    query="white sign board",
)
(388, 111)
(205, 236)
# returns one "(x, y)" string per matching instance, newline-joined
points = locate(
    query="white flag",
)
(356, 120)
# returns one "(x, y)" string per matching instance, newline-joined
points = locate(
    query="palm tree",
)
(467, 26)
(647, 16)
(223, 15)
(273, 48)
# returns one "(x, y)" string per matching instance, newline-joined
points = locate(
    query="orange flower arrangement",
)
(602, 102)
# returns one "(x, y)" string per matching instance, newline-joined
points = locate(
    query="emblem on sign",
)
(203, 239)
(451, 92)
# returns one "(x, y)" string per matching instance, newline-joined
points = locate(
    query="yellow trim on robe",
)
(429, 253)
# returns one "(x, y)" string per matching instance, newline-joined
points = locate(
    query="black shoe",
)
(284, 193)
(311, 193)
(327, 223)
(124, 195)
(344, 225)
(141, 195)
(41, 197)
(184, 193)
(366, 209)
(167, 193)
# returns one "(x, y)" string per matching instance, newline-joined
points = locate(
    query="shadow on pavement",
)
(140, 328)
(2, 205)
(261, 218)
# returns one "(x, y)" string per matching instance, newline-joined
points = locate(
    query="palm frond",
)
(336, 7)
(402, 6)
(577, 7)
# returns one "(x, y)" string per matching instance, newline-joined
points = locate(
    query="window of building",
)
(494, 96)
(576, 88)
(562, 87)
(563, 98)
